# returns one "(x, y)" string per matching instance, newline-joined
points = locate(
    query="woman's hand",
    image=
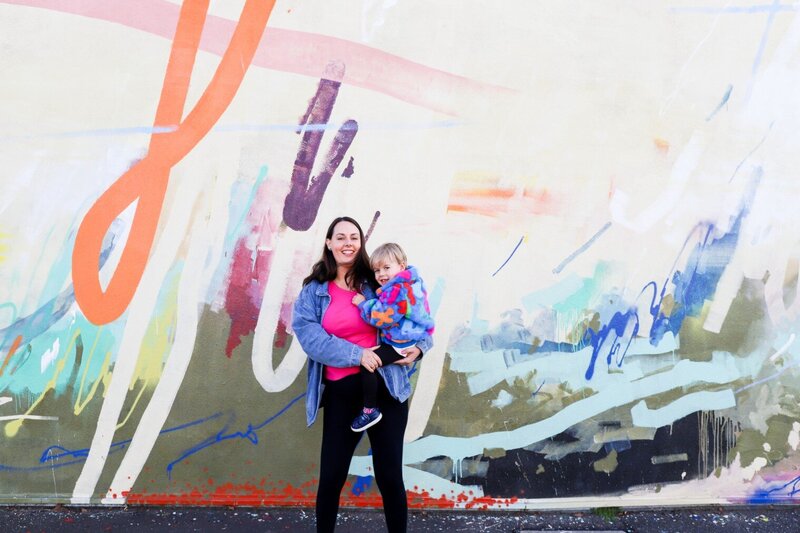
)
(411, 354)
(369, 359)
(358, 298)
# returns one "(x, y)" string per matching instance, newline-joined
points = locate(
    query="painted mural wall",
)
(601, 195)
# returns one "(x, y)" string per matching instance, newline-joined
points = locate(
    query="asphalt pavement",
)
(773, 519)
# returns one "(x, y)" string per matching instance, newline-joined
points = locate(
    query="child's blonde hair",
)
(386, 252)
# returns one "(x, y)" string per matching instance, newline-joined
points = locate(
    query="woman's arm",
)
(318, 344)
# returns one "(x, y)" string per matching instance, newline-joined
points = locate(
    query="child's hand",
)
(358, 298)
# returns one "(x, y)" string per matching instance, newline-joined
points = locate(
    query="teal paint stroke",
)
(243, 207)
(29, 378)
(487, 369)
(685, 405)
(724, 368)
(573, 293)
(549, 296)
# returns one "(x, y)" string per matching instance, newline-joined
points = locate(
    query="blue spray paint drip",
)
(778, 494)
(621, 326)
(363, 483)
(692, 287)
(250, 434)
(53, 455)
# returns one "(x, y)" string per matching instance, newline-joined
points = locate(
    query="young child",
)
(401, 314)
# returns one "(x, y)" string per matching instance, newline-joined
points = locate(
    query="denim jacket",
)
(322, 348)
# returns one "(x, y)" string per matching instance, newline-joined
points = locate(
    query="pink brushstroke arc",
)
(297, 52)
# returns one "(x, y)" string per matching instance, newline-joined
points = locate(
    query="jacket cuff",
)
(425, 345)
(355, 354)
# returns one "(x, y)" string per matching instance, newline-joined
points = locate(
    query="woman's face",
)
(345, 243)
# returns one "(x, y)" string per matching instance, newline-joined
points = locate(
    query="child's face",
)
(387, 270)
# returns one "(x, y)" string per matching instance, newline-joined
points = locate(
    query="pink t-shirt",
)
(343, 319)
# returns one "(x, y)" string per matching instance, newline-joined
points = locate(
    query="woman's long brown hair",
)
(325, 269)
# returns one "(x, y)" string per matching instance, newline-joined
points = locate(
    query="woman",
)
(337, 342)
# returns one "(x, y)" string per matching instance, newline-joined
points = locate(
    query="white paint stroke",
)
(685, 405)
(504, 398)
(139, 312)
(193, 285)
(794, 436)
(671, 458)
(783, 348)
(779, 313)
(681, 172)
(5, 399)
(50, 355)
(727, 289)
(419, 480)
(430, 369)
(287, 245)
(721, 370)
(27, 417)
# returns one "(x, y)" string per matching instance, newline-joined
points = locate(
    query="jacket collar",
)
(322, 289)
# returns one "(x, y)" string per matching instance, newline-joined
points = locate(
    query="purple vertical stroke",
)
(305, 195)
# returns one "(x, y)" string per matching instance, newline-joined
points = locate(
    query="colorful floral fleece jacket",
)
(400, 311)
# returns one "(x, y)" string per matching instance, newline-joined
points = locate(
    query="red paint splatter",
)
(285, 494)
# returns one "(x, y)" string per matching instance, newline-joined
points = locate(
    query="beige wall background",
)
(599, 195)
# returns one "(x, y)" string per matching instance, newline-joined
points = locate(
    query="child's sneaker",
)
(366, 420)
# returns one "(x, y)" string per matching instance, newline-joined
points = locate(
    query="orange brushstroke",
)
(496, 202)
(661, 145)
(14, 346)
(486, 193)
(146, 182)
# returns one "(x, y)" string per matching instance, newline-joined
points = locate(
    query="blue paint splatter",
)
(250, 434)
(780, 493)
(55, 455)
(621, 326)
(363, 483)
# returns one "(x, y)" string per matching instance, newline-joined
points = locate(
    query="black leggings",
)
(369, 380)
(341, 403)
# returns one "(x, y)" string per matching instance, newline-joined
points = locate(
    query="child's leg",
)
(369, 380)
(387, 354)
(369, 383)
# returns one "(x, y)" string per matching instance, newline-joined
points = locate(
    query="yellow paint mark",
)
(135, 402)
(107, 382)
(157, 339)
(79, 406)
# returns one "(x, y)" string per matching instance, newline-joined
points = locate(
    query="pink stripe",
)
(297, 52)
